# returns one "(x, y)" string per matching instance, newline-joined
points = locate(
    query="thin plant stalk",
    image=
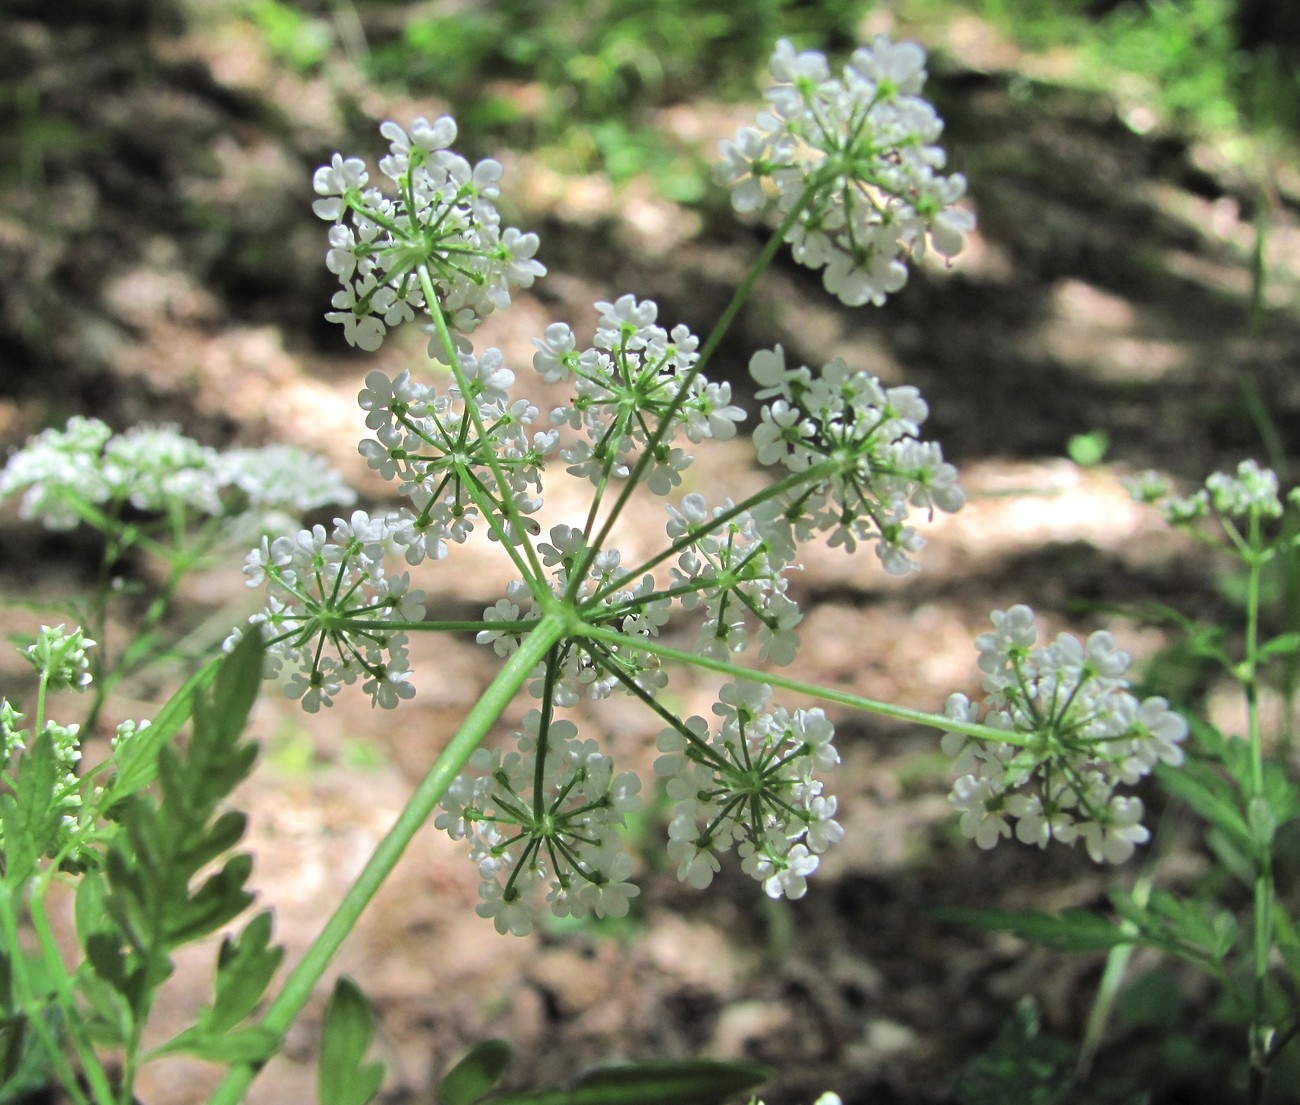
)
(315, 962)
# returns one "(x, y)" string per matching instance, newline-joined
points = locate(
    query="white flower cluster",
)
(626, 388)
(559, 830)
(751, 784)
(330, 591)
(431, 443)
(1253, 490)
(729, 571)
(862, 152)
(866, 436)
(1088, 736)
(442, 216)
(65, 473)
(865, 145)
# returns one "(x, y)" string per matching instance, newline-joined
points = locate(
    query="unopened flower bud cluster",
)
(1251, 490)
(60, 658)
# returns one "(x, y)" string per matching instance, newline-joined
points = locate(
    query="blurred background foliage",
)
(581, 78)
(88, 89)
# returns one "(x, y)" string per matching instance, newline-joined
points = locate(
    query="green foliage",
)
(152, 897)
(593, 71)
(689, 1082)
(1031, 1067)
(1088, 450)
(24, 1066)
(603, 58)
(154, 872)
(344, 1076)
(1192, 930)
(32, 135)
(1184, 50)
(298, 40)
(1179, 59)
(152, 865)
(1074, 930)
(137, 763)
(30, 815)
(476, 1075)
(245, 966)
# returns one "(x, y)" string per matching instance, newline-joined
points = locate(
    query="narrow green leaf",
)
(1288, 940)
(1210, 797)
(1282, 795)
(248, 1045)
(343, 1076)
(88, 907)
(221, 898)
(1283, 644)
(238, 683)
(104, 954)
(1232, 858)
(215, 762)
(13, 1038)
(476, 1075)
(1074, 930)
(31, 1071)
(108, 1018)
(690, 1082)
(1187, 929)
(1207, 739)
(191, 851)
(30, 816)
(1022, 1065)
(244, 969)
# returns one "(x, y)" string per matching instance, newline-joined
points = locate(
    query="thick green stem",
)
(301, 982)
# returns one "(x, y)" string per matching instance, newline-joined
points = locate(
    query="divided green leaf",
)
(344, 1077)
